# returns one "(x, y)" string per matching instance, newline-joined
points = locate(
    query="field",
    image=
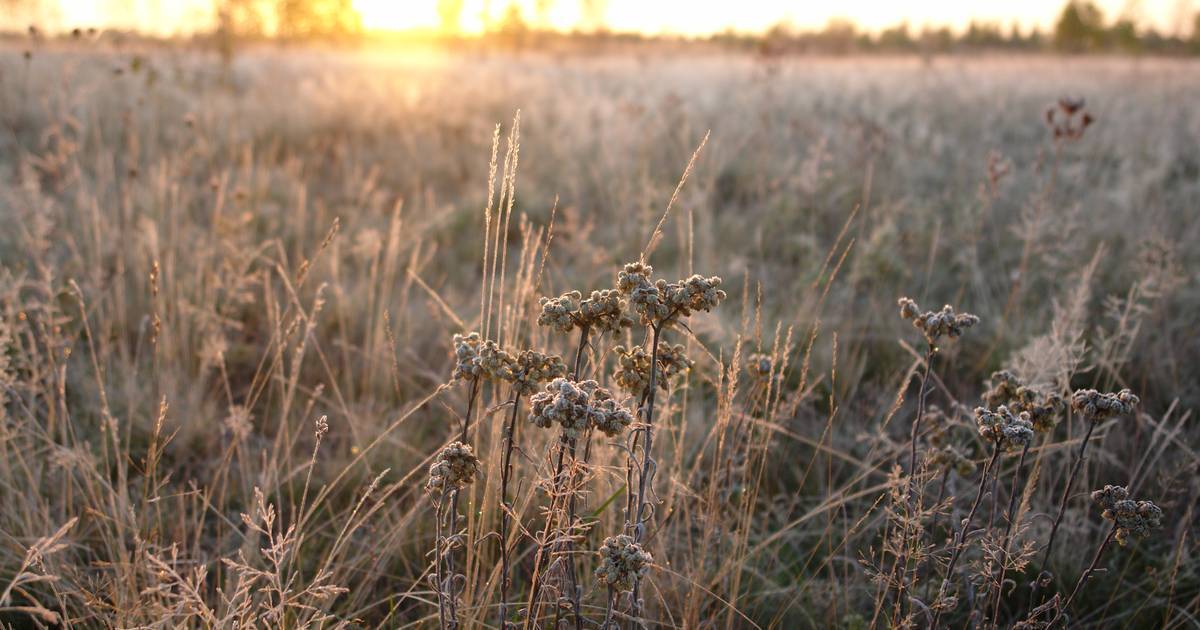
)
(228, 296)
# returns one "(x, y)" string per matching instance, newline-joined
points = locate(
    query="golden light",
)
(396, 15)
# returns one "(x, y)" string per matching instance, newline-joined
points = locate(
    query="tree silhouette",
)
(1080, 27)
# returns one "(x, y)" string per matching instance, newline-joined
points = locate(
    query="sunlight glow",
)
(678, 17)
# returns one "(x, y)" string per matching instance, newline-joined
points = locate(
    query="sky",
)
(686, 17)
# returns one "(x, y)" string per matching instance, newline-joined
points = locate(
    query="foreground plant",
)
(1004, 431)
(622, 563)
(1095, 407)
(934, 326)
(576, 408)
(1128, 517)
(454, 468)
(529, 370)
(659, 305)
(1040, 412)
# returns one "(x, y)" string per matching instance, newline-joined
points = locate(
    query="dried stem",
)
(505, 507)
(1086, 574)
(960, 544)
(1008, 528)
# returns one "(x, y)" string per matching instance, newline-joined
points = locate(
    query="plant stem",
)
(536, 581)
(902, 560)
(558, 485)
(1008, 527)
(639, 526)
(916, 427)
(1062, 506)
(452, 517)
(505, 508)
(960, 544)
(1086, 574)
(437, 559)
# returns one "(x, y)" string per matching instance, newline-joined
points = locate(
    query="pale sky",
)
(689, 17)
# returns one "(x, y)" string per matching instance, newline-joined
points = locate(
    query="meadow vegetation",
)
(418, 339)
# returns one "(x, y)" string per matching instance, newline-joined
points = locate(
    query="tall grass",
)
(227, 298)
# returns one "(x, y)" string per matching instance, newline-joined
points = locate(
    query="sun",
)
(397, 15)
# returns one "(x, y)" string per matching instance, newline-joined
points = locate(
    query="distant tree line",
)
(287, 19)
(1080, 28)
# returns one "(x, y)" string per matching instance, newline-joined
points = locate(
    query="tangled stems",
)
(566, 443)
(644, 475)
(453, 515)
(960, 544)
(505, 507)
(1008, 527)
(902, 561)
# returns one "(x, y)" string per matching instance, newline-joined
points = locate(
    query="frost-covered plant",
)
(633, 367)
(936, 324)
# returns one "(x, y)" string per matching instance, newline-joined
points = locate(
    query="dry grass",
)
(227, 298)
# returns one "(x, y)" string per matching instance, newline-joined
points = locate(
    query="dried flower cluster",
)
(466, 356)
(578, 406)
(935, 325)
(621, 561)
(1130, 517)
(454, 467)
(1008, 430)
(1006, 389)
(531, 368)
(602, 311)
(759, 365)
(950, 458)
(662, 303)
(1096, 406)
(944, 455)
(633, 367)
(494, 362)
(1068, 119)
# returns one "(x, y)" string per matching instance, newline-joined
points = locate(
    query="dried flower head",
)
(1006, 389)
(1139, 518)
(577, 407)
(1007, 430)
(1096, 406)
(602, 311)
(662, 303)
(530, 369)
(760, 365)
(494, 362)
(466, 356)
(454, 467)
(935, 325)
(950, 458)
(474, 358)
(633, 367)
(621, 561)
(1067, 119)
